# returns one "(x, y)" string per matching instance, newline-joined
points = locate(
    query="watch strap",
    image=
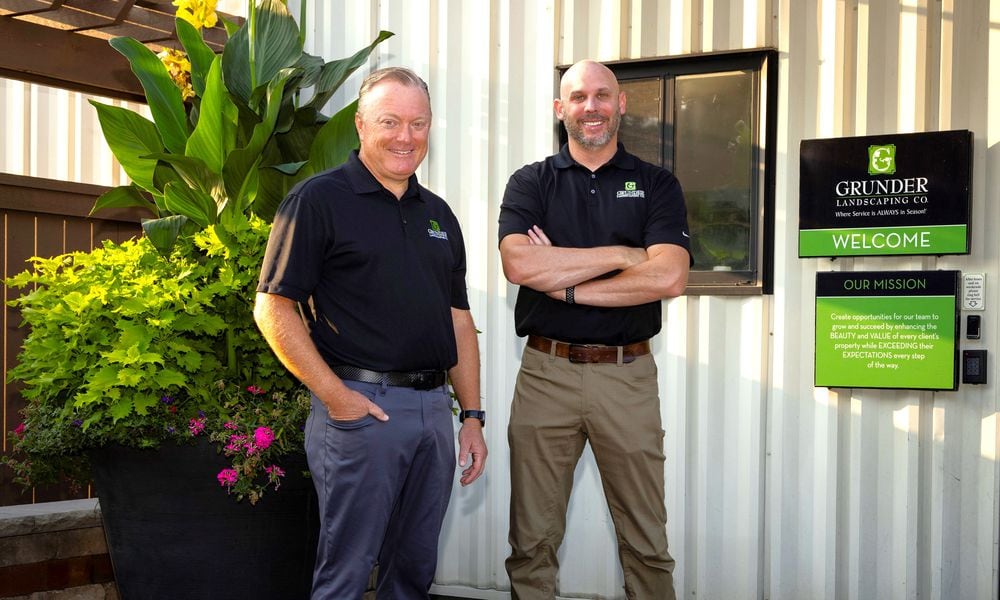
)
(475, 414)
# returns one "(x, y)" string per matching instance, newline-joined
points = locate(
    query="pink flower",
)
(227, 477)
(236, 443)
(230, 425)
(256, 391)
(196, 426)
(263, 436)
(19, 431)
(274, 471)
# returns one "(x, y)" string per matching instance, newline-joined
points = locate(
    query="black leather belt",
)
(589, 353)
(418, 380)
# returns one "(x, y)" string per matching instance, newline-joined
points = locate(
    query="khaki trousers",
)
(558, 406)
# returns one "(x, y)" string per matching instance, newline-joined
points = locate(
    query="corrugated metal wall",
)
(775, 489)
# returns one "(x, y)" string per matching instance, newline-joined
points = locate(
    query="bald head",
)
(590, 105)
(589, 70)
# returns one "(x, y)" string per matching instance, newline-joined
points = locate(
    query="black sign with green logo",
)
(893, 329)
(904, 194)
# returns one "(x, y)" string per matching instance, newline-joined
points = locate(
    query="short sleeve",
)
(293, 260)
(667, 221)
(522, 203)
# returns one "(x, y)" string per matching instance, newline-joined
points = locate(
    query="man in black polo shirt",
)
(596, 238)
(383, 260)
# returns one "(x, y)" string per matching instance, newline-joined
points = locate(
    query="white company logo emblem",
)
(434, 231)
(882, 159)
(630, 191)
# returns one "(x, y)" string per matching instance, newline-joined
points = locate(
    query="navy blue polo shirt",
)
(383, 273)
(626, 202)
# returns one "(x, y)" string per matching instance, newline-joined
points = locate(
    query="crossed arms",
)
(646, 274)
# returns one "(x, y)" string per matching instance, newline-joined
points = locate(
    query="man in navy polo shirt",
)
(383, 261)
(596, 238)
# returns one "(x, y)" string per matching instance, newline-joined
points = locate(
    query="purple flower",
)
(227, 477)
(77, 422)
(168, 400)
(263, 437)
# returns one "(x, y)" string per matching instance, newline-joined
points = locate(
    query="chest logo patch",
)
(434, 231)
(630, 191)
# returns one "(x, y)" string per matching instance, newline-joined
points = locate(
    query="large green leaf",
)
(123, 196)
(335, 72)
(295, 145)
(231, 26)
(194, 172)
(241, 161)
(162, 94)
(267, 42)
(311, 67)
(200, 55)
(162, 233)
(131, 137)
(334, 142)
(273, 186)
(236, 204)
(215, 135)
(191, 203)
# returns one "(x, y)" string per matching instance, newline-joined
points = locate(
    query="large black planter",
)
(173, 533)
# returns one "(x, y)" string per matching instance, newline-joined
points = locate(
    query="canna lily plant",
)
(117, 330)
(243, 140)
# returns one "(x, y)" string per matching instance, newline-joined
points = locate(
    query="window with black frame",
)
(709, 118)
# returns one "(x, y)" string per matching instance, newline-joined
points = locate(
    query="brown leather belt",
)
(589, 353)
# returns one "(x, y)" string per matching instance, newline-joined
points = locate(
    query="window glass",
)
(710, 119)
(714, 163)
(641, 130)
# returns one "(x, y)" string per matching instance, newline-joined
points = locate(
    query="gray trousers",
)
(383, 491)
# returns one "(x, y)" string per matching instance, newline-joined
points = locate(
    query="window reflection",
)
(714, 162)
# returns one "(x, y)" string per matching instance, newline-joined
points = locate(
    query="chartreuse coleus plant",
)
(126, 347)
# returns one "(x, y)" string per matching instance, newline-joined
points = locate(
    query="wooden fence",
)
(43, 217)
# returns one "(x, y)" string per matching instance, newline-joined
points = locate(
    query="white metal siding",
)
(775, 489)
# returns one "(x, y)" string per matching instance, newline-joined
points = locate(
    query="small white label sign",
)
(973, 291)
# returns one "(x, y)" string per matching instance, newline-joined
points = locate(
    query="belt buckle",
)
(579, 353)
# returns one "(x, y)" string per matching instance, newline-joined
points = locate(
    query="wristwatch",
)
(475, 414)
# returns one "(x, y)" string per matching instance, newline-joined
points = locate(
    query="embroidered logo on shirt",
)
(630, 191)
(434, 231)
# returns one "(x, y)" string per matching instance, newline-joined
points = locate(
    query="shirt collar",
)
(621, 159)
(363, 182)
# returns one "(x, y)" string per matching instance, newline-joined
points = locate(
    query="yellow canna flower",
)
(199, 13)
(179, 68)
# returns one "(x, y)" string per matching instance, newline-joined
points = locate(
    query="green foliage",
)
(134, 343)
(116, 330)
(223, 151)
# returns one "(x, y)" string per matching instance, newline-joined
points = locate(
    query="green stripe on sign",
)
(883, 241)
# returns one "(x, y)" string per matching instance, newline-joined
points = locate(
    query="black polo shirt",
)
(626, 202)
(383, 273)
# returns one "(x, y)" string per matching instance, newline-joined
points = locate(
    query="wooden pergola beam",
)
(39, 54)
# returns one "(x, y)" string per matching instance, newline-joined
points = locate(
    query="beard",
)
(575, 131)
